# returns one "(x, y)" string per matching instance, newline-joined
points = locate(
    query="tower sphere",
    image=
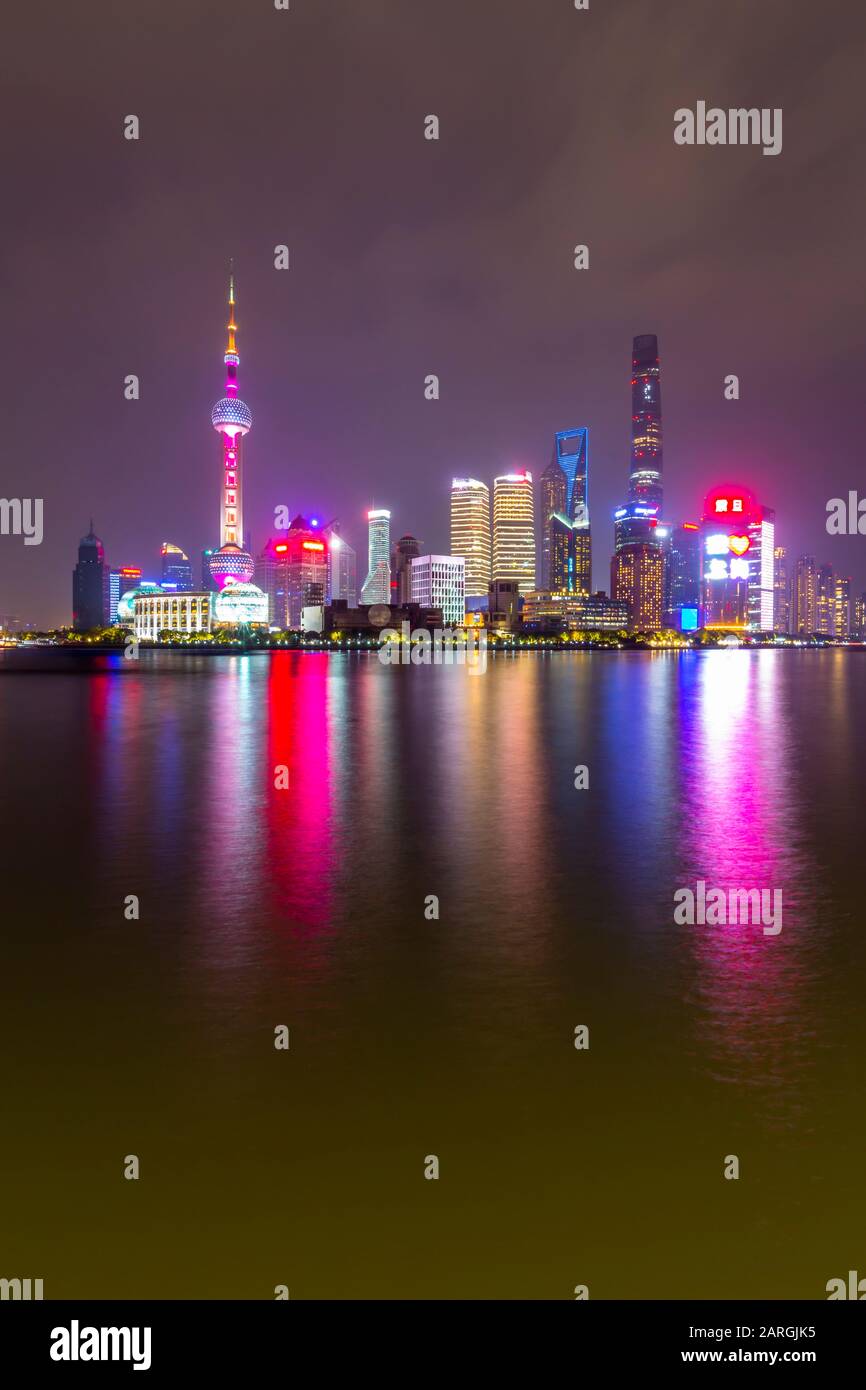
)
(231, 416)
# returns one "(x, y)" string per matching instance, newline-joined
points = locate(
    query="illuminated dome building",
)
(241, 603)
(231, 418)
(126, 602)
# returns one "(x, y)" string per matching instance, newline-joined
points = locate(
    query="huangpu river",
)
(167, 908)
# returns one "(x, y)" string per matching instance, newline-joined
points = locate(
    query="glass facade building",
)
(470, 532)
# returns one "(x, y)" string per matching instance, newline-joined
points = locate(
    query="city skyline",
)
(537, 545)
(455, 261)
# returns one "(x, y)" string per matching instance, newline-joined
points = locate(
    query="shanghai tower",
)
(645, 481)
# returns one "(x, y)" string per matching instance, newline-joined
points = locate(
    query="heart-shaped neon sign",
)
(739, 544)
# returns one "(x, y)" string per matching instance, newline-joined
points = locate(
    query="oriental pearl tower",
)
(231, 419)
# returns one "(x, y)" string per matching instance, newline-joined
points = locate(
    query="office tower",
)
(120, 581)
(377, 586)
(571, 452)
(737, 544)
(403, 552)
(645, 482)
(859, 620)
(825, 601)
(559, 538)
(90, 585)
(804, 595)
(176, 568)
(293, 571)
(470, 532)
(681, 551)
(761, 556)
(782, 591)
(232, 420)
(843, 607)
(514, 529)
(636, 574)
(553, 495)
(342, 566)
(439, 581)
(635, 523)
(566, 537)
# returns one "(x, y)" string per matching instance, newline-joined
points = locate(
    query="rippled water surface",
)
(409, 1036)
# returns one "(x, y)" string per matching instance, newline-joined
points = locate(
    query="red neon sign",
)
(313, 545)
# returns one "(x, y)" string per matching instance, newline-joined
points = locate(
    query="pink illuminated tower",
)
(231, 419)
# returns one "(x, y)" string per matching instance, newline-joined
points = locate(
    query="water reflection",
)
(753, 1010)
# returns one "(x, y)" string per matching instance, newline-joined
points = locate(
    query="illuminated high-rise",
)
(438, 581)
(804, 595)
(553, 491)
(843, 607)
(293, 571)
(514, 529)
(782, 588)
(120, 581)
(825, 601)
(342, 566)
(470, 532)
(858, 630)
(232, 420)
(762, 593)
(645, 482)
(377, 586)
(636, 573)
(176, 568)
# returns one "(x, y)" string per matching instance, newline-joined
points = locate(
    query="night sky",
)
(410, 257)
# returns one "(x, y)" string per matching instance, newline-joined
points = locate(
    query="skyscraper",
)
(438, 581)
(176, 568)
(645, 483)
(566, 538)
(859, 621)
(843, 607)
(804, 595)
(782, 590)
(120, 581)
(761, 556)
(681, 551)
(232, 420)
(739, 560)
(825, 601)
(514, 529)
(553, 495)
(571, 452)
(470, 532)
(90, 585)
(636, 579)
(403, 552)
(342, 566)
(377, 586)
(293, 571)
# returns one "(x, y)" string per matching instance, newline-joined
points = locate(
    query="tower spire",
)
(231, 356)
